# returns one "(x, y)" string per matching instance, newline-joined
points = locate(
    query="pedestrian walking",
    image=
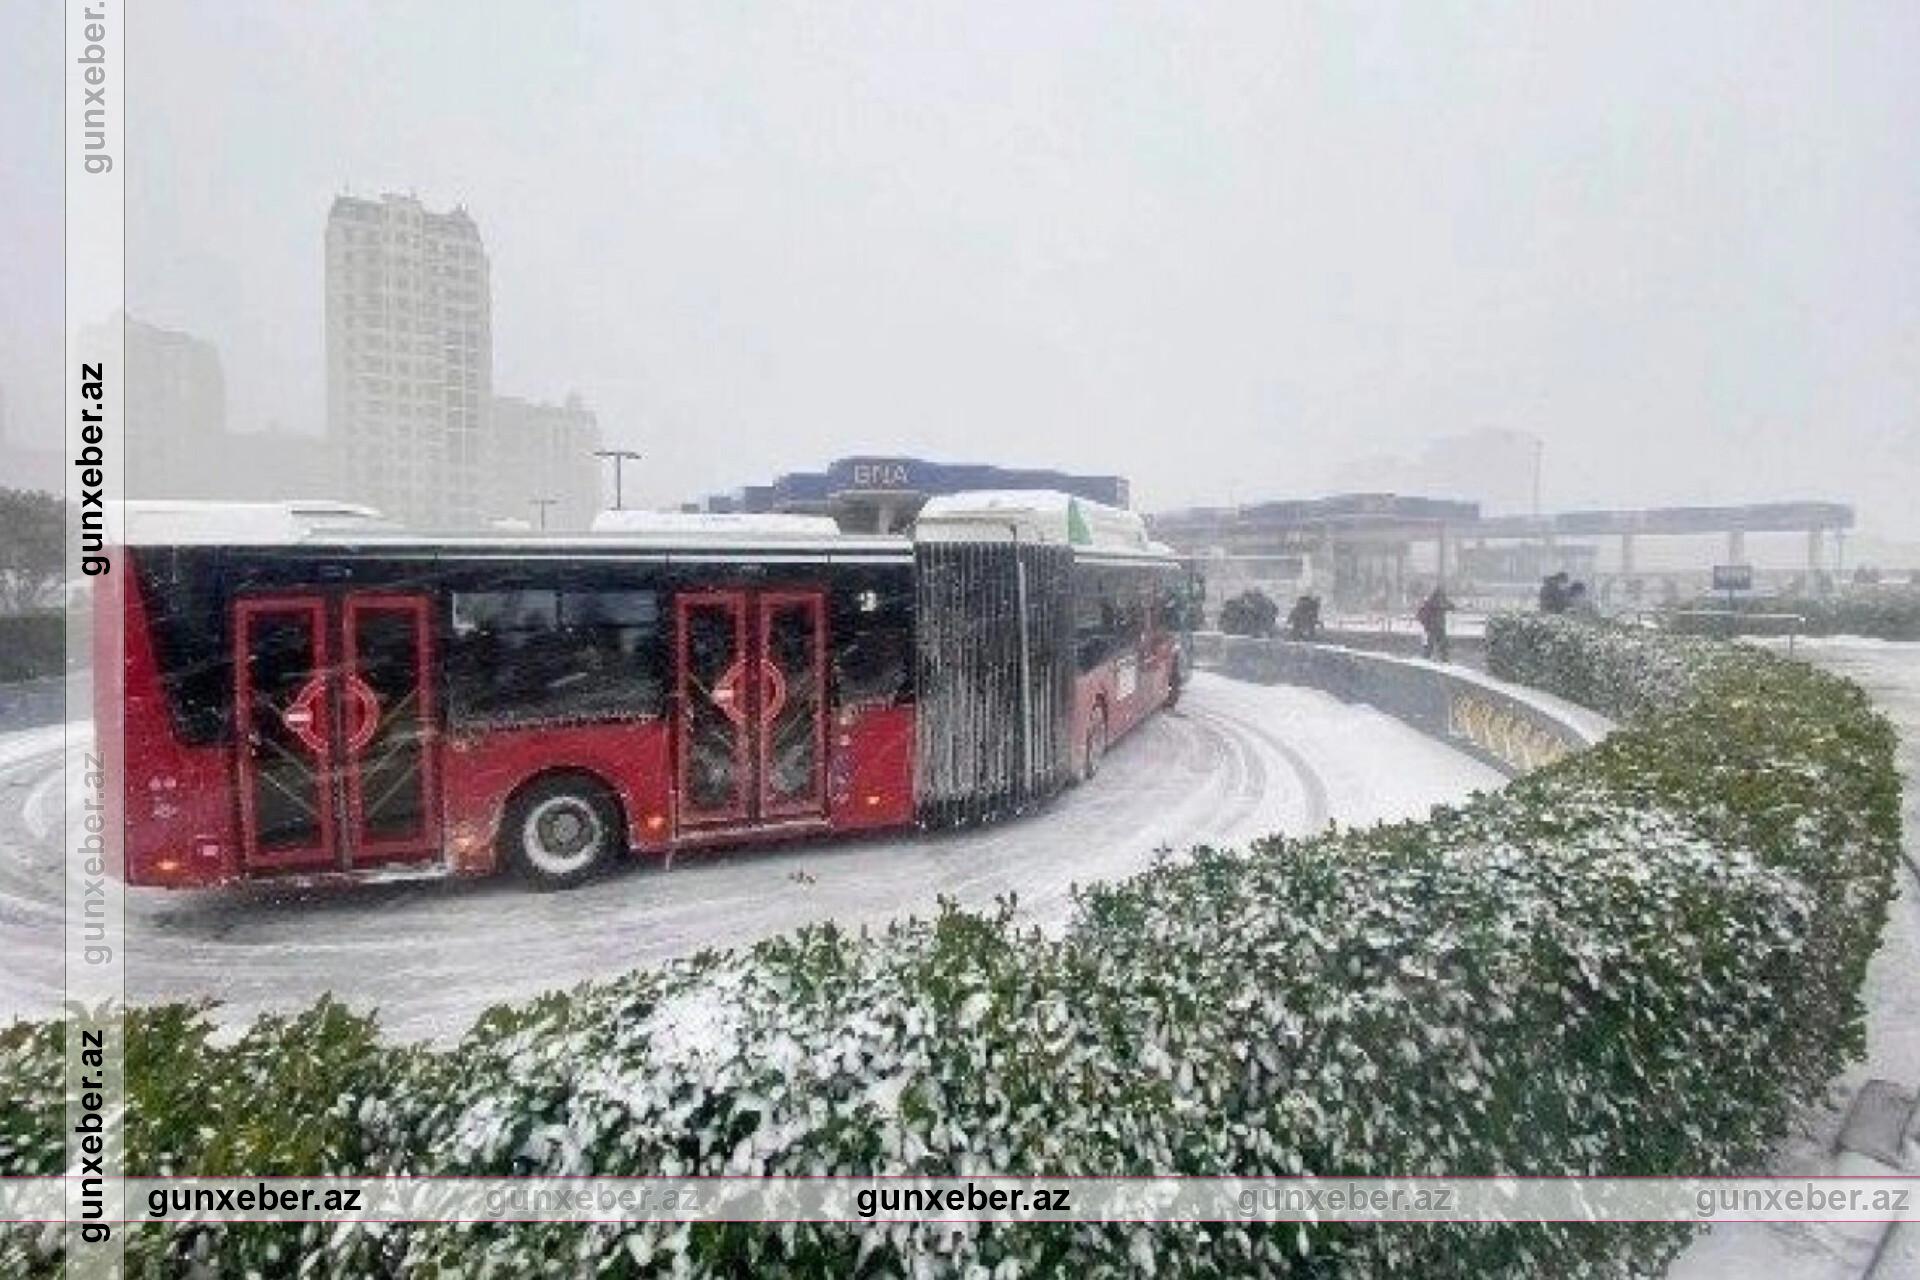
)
(1432, 617)
(1303, 620)
(1553, 593)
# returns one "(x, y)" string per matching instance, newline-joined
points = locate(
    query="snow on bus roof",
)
(712, 522)
(1046, 516)
(174, 521)
(1027, 515)
(320, 523)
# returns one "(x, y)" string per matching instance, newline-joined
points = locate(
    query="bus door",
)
(336, 761)
(387, 736)
(283, 732)
(751, 738)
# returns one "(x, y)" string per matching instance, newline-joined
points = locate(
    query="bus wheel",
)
(559, 832)
(1096, 743)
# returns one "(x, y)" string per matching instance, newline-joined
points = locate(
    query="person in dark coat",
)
(1303, 620)
(1553, 593)
(1432, 616)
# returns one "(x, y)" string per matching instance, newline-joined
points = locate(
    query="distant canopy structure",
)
(1372, 550)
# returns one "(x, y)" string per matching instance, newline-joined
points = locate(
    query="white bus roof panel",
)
(344, 525)
(164, 522)
(707, 522)
(1045, 516)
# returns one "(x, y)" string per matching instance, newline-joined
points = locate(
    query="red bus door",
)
(714, 747)
(336, 762)
(387, 729)
(283, 712)
(792, 745)
(752, 733)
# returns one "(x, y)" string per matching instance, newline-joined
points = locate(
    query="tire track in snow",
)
(1319, 808)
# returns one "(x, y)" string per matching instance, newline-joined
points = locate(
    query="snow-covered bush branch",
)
(1637, 961)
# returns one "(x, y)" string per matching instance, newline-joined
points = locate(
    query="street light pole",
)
(543, 504)
(619, 457)
(1539, 456)
(1539, 526)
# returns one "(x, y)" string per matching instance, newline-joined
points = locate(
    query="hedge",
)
(1883, 613)
(1640, 960)
(32, 645)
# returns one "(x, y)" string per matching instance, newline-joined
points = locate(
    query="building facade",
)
(538, 463)
(409, 358)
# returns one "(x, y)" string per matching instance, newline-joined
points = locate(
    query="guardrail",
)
(1511, 728)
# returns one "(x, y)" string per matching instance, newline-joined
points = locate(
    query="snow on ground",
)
(1890, 672)
(1232, 762)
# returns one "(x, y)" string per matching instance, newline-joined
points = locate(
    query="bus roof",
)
(346, 526)
(1045, 516)
(709, 522)
(165, 522)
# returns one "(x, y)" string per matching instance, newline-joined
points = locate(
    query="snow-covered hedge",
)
(32, 645)
(1768, 754)
(1621, 672)
(1637, 961)
(1883, 612)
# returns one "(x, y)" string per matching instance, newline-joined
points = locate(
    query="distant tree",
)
(1251, 613)
(32, 547)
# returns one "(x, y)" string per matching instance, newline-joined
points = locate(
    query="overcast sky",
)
(1223, 249)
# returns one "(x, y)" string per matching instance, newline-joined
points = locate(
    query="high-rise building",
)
(538, 453)
(409, 358)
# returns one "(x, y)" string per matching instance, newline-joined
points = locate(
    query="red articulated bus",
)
(306, 692)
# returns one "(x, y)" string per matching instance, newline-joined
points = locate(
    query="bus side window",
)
(1171, 605)
(187, 601)
(1108, 615)
(1093, 621)
(872, 634)
(541, 656)
(619, 634)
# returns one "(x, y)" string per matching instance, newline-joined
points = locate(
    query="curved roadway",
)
(1232, 762)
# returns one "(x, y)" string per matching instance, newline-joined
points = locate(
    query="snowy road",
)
(1234, 761)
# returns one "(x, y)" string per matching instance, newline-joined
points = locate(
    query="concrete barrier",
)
(1510, 727)
(1468, 648)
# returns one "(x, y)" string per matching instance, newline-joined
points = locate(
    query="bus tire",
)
(1096, 748)
(561, 831)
